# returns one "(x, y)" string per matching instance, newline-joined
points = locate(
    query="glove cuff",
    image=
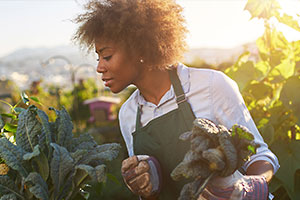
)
(155, 175)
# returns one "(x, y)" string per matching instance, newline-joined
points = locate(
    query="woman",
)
(140, 42)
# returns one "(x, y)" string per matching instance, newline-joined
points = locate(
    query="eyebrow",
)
(102, 49)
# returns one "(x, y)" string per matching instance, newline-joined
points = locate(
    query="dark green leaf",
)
(113, 178)
(289, 159)
(13, 156)
(78, 155)
(84, 141)
(95, 174)
(46, 129)
(244, 74)
(7, 186)
(290, 97)
(37, 186)
(61, 164)
(259, 90)
(80, 176)
(105, 152)
(89, 170)
(42, 165)
(268, 133)
(275, 184)
(100, 173)
(64, 128)
(68, 188)
(9, 197)
(29, 129)
(19, 109)
(2, 123)
(34, 153)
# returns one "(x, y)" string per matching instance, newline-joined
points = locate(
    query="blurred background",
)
(255, 42)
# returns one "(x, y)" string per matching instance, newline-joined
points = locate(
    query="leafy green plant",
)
(270, 88)
(47, 162)
(9, 121)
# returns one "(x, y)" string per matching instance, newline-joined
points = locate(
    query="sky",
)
(211, 23)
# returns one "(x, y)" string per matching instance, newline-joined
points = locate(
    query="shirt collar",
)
(184, 76)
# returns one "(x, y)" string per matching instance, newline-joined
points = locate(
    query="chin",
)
(116, 90)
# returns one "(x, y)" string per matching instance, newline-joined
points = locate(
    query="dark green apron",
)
(160, 138)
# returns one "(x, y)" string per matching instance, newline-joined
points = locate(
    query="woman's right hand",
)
(141, 174)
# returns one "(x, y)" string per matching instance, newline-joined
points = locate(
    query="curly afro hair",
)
(153, 30)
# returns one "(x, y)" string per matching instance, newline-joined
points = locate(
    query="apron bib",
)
(160, 138)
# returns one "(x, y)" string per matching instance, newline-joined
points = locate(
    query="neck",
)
(153, 85)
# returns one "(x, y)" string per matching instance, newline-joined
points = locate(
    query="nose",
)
(101, 67)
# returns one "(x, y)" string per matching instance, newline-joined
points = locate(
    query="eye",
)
(107, 58)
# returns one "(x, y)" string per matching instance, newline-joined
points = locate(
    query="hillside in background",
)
(25, 65)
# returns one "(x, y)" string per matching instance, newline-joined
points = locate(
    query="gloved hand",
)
(236, 187)
(215, 151)
(142, 175)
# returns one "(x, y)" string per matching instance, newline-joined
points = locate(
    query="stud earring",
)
(142, 61)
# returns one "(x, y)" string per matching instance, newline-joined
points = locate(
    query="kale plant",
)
(47, 162)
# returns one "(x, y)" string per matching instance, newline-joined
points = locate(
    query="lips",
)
(107, 81)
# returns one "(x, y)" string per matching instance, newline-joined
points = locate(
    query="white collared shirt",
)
(211, 94)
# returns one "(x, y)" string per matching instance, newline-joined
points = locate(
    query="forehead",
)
(100, 46)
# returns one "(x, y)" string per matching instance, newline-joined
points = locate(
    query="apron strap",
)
(181, 101)
(138, 123)
(180, 96)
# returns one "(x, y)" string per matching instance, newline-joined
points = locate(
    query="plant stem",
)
(202, 187)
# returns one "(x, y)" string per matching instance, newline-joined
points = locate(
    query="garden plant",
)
(270, 85)
(46, 161)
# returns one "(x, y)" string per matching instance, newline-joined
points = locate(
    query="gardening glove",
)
(215, 153)
(142, 175)
(236, 187)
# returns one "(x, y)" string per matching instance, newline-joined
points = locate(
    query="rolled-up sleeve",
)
(229, 109)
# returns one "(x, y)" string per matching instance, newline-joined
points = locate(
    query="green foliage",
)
(8, 121)
(290, 98)
(270, 88)
(262, 9)
(289, 157)
(47, 162)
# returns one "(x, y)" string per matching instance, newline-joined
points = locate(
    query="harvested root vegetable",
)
(229, 150)
(214, 150)
(215, 159)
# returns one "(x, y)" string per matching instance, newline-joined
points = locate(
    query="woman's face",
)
(118, 70)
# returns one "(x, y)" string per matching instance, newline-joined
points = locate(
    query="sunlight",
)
(291, 7)
(225, 24)
(220, 24)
